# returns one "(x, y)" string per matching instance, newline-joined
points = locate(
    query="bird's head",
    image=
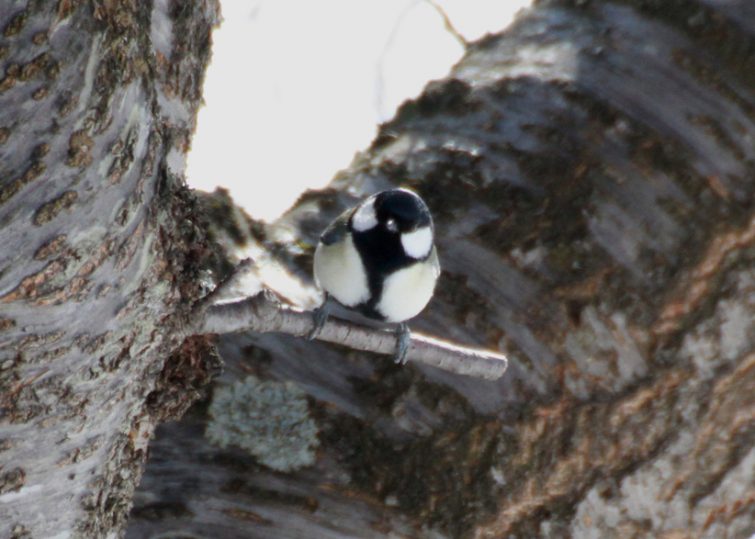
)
(398, 212)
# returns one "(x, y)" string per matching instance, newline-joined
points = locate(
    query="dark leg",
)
(403, 336)
(320, 316)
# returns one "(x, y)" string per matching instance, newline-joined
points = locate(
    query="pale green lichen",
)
(270, 420)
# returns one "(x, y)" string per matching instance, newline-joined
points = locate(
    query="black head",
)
(396, 211)
(401, 210)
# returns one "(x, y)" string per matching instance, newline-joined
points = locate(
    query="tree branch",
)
(263, 313)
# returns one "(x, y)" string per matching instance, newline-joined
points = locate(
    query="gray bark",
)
(591, 175)
(100, 247)
(591, 172)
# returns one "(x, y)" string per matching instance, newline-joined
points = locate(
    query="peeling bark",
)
(101, 245)
(591, 176)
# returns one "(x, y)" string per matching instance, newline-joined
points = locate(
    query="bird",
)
(379, 259)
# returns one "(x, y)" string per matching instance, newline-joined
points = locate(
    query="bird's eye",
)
(391, 225)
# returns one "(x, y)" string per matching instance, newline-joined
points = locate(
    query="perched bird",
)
(379, 259)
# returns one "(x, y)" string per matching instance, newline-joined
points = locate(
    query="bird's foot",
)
(403, 336)
(319, 317)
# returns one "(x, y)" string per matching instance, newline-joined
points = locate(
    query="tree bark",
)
(591, 174)
(100, 245)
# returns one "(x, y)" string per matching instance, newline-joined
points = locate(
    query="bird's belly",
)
(408, 291)
(339, 271)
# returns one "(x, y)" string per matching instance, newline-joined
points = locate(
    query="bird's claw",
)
(319, 317)
(403, 336)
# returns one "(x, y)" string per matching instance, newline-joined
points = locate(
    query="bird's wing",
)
(337, 229)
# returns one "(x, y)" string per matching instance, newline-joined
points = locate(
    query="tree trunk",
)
(591, 175)
(99, 250)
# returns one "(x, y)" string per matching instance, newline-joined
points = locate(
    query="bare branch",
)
(225, 284)
(264, 314)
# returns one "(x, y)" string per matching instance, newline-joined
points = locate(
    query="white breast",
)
(407, 292)
(339, 271)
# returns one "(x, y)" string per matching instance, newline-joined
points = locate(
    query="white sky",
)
(296, 87)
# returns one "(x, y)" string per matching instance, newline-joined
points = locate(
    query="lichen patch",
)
(268, 419)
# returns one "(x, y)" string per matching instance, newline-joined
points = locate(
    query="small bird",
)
(379, 259)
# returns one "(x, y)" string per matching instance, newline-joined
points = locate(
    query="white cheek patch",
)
(417, 244)
(365, 217)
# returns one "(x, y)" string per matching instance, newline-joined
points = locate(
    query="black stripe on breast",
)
(382, 254)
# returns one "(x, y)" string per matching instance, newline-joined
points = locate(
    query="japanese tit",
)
(379, 259)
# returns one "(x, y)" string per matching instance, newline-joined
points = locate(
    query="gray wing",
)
(336, 230)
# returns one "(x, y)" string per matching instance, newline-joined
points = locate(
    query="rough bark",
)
(99, 251)
(591, 175)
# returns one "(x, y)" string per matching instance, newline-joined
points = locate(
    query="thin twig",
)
(262, 313)
(450, 28)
